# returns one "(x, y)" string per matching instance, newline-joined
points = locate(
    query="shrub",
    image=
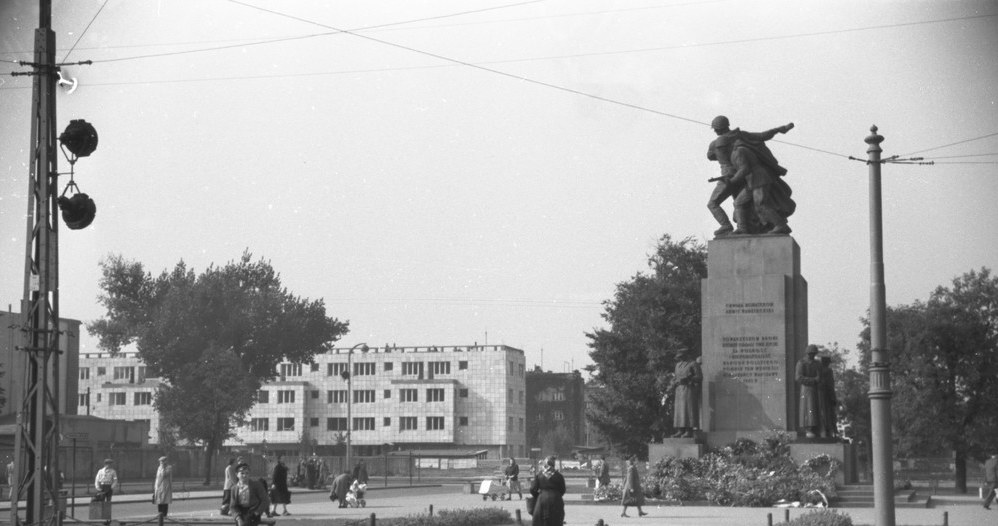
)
(743, 474)
(610, 492)
(821, 518)
(477, 516)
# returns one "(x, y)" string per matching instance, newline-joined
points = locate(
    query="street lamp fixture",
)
(346, 376)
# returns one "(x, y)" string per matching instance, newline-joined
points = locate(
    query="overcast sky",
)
(452, 172)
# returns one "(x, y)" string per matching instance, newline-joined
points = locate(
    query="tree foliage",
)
(215, 336)
(652, 318)
(944, 371)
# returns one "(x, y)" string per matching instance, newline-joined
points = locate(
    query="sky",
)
(487, 171)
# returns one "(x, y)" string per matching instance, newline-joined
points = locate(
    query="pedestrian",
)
(632, 495)
(106, 480)
(990, 479)
(360, 472)
(340, 486)
(162, 489)
(10, 480)
(548, 490)
(602, 471)
(279, 493)
(512, 473)
(249, 498)
(228, 481)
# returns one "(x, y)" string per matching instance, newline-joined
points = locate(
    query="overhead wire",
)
(952, 144)
(85, 30)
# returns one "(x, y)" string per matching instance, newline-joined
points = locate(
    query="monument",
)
(754, 313)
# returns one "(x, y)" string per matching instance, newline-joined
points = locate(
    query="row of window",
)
(126, 372)
(417, 369)
(118, 398)
(405, 423)
(362, 396)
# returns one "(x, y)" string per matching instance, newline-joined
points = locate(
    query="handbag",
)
(531, 502)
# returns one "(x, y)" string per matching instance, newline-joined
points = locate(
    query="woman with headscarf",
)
(547, 489)
(632, 495)
(279, 493)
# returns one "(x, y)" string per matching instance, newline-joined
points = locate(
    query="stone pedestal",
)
(676, 447)
(754, 308)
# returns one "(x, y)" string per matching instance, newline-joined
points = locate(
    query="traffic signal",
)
(77, 211)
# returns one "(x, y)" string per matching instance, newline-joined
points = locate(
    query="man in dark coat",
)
(249, 498)
(990, 479)
(341, 484)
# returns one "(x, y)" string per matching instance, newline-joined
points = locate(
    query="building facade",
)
(556, 411)
(468, 398)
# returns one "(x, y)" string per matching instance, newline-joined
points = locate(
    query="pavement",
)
(947, 510)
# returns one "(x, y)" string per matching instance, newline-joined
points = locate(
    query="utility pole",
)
(880, 380)
(36, 468)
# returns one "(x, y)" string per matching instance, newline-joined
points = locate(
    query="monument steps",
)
(861, 496)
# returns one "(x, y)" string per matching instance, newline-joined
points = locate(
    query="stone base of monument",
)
(806, 449)
(678, 448)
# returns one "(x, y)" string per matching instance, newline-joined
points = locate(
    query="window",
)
(559, 396)
(522, 369)
(558, 415)
(101, 371)
(412, 368)
(285, 397)
(263, 396)
(315, 394)
(286, 424)
(84, 399)
(140, 373)
(512, 368)
(434, 423)
(124, 373)
(260, 424)
(509, 396)
(363, 424)
(434, 395)
(439, 368)
(462, 365)
(462, 420)
(463, 393)
(116, 398)
(84, 373)
(408, 423)
(364, 396)
(509, 424)
(313, 367)
(388, 366)
(98, 398)
(388, 393)
(336, 424)
(290, 369)
(387, 422)
(313, 422)
(143, 398)
(364, 369)
(336, 397)
(334, 369)
(520, 396)
(520, 426)
(408, 395)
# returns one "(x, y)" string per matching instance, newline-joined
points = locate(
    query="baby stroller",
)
(491, 487)
(355, 495)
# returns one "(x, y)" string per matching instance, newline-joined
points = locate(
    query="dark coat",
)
(248, 512)
(280, 494)
(341, 484)
(548, 487)
(632, 494)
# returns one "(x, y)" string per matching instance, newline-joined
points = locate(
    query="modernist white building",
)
(452, 397)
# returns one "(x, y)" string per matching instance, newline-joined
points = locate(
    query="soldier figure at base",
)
(686, 403)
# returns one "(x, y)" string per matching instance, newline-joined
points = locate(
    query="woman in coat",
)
(162, 489)
(279, 493)
(547, 488)
(632, 494)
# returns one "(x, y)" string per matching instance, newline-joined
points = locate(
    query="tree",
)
(944, 370)
(214, 337)
(652, 318)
